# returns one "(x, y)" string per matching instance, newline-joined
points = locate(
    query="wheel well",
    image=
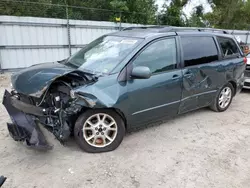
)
(234, 86)
(122, 116)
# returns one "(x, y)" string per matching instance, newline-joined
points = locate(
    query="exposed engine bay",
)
(57, 109)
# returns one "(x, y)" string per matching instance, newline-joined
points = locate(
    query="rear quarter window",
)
(228, 46)
(199, 50)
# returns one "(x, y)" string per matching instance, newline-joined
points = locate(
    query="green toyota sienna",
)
(123, 81)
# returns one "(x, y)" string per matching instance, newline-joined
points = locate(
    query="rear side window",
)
(228, 46)
(199, 50)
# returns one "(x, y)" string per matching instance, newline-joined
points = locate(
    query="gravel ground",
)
(198, 149)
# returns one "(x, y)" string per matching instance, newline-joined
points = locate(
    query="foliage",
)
(197, 17)
(173, 14)
(227, 14)
(133, 11)
(141, 11)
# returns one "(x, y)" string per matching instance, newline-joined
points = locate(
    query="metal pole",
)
(1, 71)
(120, 25)
(247, 36)
(68, 29)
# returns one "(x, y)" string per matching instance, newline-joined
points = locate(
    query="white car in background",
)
(247, 73)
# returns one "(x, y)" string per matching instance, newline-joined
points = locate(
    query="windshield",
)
(103, 54)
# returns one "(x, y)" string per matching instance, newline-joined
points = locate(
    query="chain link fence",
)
(63, 11)
(45, 9)
(31, 28)
(74, 29)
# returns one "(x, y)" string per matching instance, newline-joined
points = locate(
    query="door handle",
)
(188, 73)
(175, 76)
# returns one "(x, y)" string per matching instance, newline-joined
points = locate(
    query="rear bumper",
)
(247, 80)
(247, 83)
(23, 126)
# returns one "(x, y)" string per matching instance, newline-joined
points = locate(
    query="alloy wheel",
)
(100, 130)
(225, 97)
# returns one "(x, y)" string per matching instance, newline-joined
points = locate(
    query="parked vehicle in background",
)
(247, 73)
(245, 48)
(122, 81)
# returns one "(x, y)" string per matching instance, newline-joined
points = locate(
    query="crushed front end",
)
(55, 109)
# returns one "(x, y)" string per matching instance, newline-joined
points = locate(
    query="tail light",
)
(245, 60)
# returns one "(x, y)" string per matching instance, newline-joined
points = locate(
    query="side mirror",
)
(141, 72)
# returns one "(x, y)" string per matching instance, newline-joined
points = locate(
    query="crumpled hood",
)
(34, 80)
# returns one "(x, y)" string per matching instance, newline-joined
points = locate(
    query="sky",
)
(189, 7)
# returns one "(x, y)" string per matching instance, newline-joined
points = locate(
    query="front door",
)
(159, 95)
(201, 77)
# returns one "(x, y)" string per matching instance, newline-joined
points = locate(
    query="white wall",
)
(23, 39)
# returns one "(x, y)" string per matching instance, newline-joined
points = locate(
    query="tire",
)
(216, 105)
(86, 127)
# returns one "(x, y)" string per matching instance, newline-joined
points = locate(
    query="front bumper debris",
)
(23, 126)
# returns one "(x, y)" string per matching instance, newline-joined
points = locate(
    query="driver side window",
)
(159, 56)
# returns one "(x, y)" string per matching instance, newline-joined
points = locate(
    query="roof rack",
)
(213, 30)
(176, 29)
(163, 29)
(142, 27)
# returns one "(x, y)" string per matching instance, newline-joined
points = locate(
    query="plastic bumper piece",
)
(24, 128)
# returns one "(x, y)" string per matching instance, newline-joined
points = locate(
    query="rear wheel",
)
(99, 130)
(223, 98)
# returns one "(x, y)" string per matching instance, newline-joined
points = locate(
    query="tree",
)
(197, 17)
(132, 11)
(173, 14)
(136, 11)
(23, 8)
(228, 14)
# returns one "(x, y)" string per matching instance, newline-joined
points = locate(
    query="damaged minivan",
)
(123, 81)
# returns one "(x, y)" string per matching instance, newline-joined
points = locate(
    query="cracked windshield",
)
(103, 54)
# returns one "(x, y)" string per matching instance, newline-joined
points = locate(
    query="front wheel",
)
(223, 98)
(99, 130)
